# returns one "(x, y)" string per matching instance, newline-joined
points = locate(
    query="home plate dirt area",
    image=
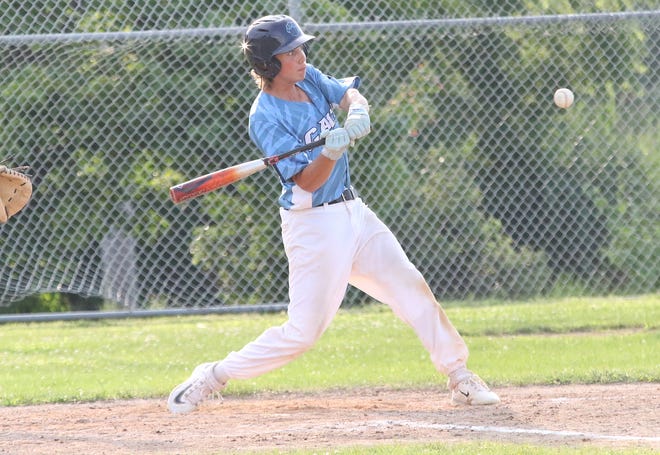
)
(612, 416)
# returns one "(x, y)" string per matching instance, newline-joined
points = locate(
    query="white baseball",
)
(564, 98)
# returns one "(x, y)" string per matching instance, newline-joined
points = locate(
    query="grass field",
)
(469, 449)
(573, 340)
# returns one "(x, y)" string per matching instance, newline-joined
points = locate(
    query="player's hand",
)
(358, 123)
(336, 143)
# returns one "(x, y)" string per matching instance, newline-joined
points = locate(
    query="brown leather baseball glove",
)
(15, 191)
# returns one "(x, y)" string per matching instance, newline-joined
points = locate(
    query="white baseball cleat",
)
(198, 387)
(473, 391)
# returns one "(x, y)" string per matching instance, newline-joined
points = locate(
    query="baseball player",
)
(331, 238)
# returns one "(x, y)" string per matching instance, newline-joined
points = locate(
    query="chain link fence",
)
(492, 190)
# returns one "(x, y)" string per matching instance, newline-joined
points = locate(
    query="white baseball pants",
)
(329, 247)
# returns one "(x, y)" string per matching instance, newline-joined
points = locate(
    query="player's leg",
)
(317, 244)
(383, 271)
(317, 247)
(318, 277)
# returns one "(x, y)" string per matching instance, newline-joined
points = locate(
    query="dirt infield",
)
(618, 415)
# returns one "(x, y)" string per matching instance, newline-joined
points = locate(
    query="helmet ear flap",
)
(274, 67)
(268, 69)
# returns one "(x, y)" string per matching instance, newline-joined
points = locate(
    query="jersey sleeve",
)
(332, 88)
(273, 136)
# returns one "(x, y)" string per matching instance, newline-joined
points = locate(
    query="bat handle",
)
(270, 160)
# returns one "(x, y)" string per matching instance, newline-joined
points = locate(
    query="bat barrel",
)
(218, 179)
(177, 195)
(209, 182)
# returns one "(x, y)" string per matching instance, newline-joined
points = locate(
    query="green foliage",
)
(558, 202)
(53, 302)
(113, 15)
(240, 241)
(466, 135)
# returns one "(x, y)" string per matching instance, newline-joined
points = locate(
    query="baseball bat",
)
(223, 177)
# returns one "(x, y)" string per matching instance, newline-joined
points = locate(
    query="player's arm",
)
(353, 96)
(317, 172)
(358, 123)
(315, 175)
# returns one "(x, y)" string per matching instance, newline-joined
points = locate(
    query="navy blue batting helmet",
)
(269, 36)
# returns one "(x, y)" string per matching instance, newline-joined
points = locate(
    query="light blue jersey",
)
(277, 126)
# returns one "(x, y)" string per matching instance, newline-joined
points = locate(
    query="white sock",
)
(458, 375)
(219, 374)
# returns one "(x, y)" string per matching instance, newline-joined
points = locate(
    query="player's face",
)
(293, 65)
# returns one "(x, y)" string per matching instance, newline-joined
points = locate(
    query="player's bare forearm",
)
(353, 96)
(315, 175)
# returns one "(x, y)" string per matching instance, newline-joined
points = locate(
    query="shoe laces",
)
(203, 387)
(475, 382)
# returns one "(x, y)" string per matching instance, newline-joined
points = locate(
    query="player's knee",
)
(304, 337)
(308, 338)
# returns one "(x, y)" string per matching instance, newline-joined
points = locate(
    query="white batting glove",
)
(358, 123)
(336, 143)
